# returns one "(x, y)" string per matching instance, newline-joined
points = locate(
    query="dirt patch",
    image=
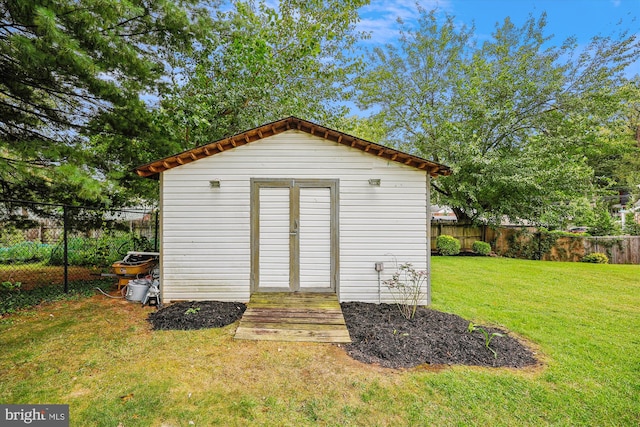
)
(380, 334)
(35, 276)
(197, 315)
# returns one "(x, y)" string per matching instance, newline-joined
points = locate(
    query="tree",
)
(627, 171)
(266, 63)
(256, 64)
(69, 69)
(512, 117)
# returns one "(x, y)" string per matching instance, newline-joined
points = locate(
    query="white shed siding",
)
(206, 231)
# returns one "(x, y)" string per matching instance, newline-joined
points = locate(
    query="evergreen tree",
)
(70, 69)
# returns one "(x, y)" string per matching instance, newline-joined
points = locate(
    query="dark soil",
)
(197, 315)
(379, 334)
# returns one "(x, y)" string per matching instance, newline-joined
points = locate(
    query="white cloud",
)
(381, 16)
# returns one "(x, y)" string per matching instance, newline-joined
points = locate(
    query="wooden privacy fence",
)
(528, 243)
(466, 233)
(620, 250)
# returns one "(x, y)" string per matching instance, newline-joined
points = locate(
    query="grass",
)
(100, 357)
(21, 298)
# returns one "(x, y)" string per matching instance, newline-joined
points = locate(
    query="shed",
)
(291, 206)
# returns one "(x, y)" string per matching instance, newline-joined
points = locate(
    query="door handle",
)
(294, 232)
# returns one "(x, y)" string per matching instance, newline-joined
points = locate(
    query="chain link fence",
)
(45, 245)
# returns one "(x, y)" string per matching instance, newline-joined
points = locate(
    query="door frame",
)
(294, 186)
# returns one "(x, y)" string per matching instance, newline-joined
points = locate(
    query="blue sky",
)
(583, 19)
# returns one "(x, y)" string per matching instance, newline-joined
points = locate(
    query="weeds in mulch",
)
(488, 337)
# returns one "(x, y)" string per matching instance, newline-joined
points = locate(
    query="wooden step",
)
(278, 316)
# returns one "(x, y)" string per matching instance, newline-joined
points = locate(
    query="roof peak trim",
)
(153, 169)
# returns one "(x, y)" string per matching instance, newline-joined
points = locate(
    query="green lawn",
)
(99, 356)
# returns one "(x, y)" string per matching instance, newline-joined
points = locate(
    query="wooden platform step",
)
(279, 316)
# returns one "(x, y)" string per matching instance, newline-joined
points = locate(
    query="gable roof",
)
(153, 169)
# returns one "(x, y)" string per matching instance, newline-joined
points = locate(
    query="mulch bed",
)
(189, 315)
(379, 334)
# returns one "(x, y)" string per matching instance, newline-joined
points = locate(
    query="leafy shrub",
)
(80, 251)
(631, 227)
(481, 248)
(596, 258)
(10, 286)
(104, 250)
(447, 245)
(24, 252)
(10, 235)
(604, 224)
(561, 233)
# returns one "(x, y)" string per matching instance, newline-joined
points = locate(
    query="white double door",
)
(294, 235)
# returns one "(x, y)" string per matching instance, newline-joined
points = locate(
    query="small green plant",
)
(487, 336)
(192, 310)
(10, 286)
(481, 248)
(447, 245)
(596, 258)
